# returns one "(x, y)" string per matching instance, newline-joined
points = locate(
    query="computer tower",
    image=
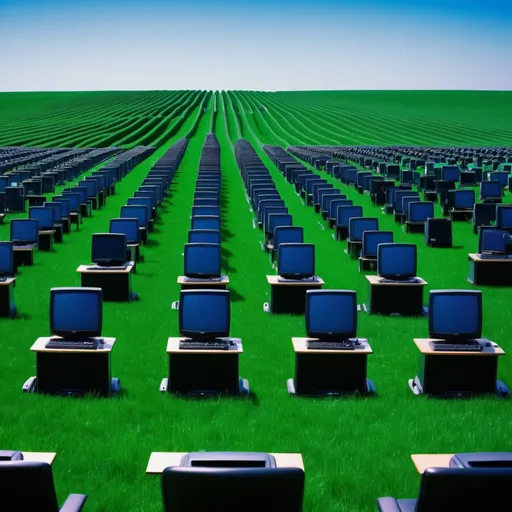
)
(438, 232)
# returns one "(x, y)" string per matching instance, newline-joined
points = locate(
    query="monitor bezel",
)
(386, 246)
(108, 261)
(197, 246)
(291, 245)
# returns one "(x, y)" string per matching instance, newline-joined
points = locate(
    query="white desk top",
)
(375, 281)
(39, 457)
(158, 461)
(173, 347)
(299, 345)
(8, 281)
(39, 346)
(84, 269)
(424, 461)
(475, 257)
(274, 281)
(425, 348)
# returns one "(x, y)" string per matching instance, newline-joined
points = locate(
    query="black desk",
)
(7, 303)
(493, 272)
(289, 297)
(452, 374)
(405, 299)
(330, 372)
(116, 284)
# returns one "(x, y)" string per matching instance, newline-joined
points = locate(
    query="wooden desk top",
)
(204, 282)
(173, 347)
(424, 461)
(39, 346)
(84, 269)
(424, 347)
(39, 457)
(21, 248)
(158, 461)
(274, 281)
(475, 257)
(375, 281)
(299, 345)
(8, 281)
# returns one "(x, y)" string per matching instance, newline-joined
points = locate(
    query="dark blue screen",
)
(464, 199)
(454, 314)
(6, 258)
(204, 313)
(76, 311)
(296, 260)
(505, 217)
(492, 240)
(203, 222)
(421, 212)
(206, 236)
(397, 260)
(202, 259)
(136, 212)
(108, 247)
(127, 227)
(491, 189)
(24, 229)
(372, 240)
(331, 314)
(357, 227)
(45, 216)
(293, 235)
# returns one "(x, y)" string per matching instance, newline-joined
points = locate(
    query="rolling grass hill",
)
(354, 449)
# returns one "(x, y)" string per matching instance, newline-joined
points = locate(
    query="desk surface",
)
(424, 347)
(39, 346)
(437, 460)
(46, 232)
(8, 281)
(475, 257)
(206, 282)
(47, 457)
(299, 345)
(22, 248)
(375, 281)
(274, 281)
(173, 347)
(84, 269)
(158, 461)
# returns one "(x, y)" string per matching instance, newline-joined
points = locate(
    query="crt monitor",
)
(371, 240)
(491, 240)
(420, 211)
(202, 260)
(450, 173)
(463, 199)
(296, 261)
(206, 222)
(128, 227)
(490, 189)
(504, 216)
(58, 210)
(455, 315)
(91, 186)
(205, 210)
(396, 261)
(76, 312)
(331, 314)
(45, 216)
(278, 219)
(24, 231)
(109, 249)
(65, 204)
(6, 259)
(207, 236)
(358, 225)
(204, 314)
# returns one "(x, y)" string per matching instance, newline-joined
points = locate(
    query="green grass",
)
(354, 449)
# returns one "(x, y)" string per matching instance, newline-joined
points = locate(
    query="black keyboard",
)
(312, 279)
(330, 345)
(489, 256)
(456, 347)
(202, 279)
(204, 345)
(399, 281)
(123, 267)
(90, 344)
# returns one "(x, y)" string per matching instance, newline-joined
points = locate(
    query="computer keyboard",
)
(123, 267)
(312, 279)
(399, 281)
(89, 344)
(489, 256)
(204, 345)
(202, 279)
(330, 345)
(456, 347)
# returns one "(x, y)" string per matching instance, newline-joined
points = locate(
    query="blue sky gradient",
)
(266, 45)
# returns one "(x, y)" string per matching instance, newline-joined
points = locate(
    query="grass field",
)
(354, 449)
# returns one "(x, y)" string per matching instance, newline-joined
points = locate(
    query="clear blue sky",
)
(263, 45)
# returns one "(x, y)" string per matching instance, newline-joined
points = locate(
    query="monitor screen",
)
(109, 249)
(328, 198)
(288, 234)
(206, 222)
(296, 261)
(45, 216)
(490, 189)
(278, 219)
(127, 227)
(269, 210)
(344, 213)
(491, 240)
(358, 225)
(206, 236)
(331, 314)
(396, 261)
(65, 204)
(420, 211)
(463, 199)
(202, 260)
(455, 314)
(74, 201)
(82, 192)
(24, 230)
(450, 173)
(33, 188)
(204, 314)
(205, 210)
(137, 212)
(371, 239)
(90, 186)
(504, 216)
(58, 209)
(76, 312)
(6, 259)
